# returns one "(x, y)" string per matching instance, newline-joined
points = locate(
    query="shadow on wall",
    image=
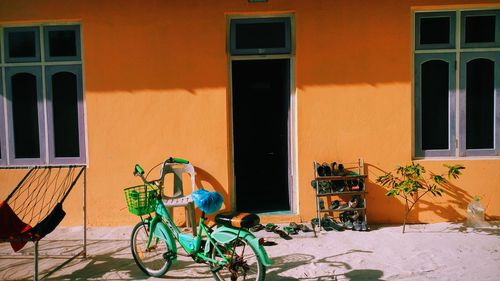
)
(456, 198)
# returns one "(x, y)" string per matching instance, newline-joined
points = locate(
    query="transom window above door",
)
(260, 36)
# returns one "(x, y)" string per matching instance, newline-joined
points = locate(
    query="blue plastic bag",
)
(208, 202)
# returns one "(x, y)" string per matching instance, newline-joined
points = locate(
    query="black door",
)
(261, 103)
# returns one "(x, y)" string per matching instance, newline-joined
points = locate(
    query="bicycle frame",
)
(161, 226)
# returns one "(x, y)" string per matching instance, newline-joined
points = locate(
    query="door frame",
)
(292, 115)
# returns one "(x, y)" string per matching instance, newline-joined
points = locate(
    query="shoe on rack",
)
(334, 205)
(345, 216)
(314, 183)
(354, 202)
(321, 204)
(354, 185)
(334, 169)
(320, 170)
(342, 171)
(348, 224)
(354, 216)
(327, 169)
(344, 206)
(357, 225)
(364, 226)
(329, 223)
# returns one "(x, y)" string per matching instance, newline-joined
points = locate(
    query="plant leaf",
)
(455, 170)
(438, 179)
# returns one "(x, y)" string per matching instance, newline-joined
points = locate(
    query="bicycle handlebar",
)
(177, 160)
(139, 171)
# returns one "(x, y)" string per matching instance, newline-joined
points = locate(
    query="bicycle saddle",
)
(239, 220)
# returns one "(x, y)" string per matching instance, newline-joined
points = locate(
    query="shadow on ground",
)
(324, 269)
(118, 264)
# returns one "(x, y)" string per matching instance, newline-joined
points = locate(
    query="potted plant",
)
(410, 183)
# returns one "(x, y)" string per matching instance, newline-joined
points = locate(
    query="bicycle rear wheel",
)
(150, 260)
(244, 264)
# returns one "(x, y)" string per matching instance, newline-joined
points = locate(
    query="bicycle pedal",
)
(169, 256)
(217, 268)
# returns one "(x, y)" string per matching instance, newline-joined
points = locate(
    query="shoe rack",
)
(340, 190)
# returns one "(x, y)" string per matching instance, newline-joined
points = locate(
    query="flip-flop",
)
(269, 243)
(294, 225)
(290, 230)
(282, 234)
(271, 227)
(304, 228)
(257, 227)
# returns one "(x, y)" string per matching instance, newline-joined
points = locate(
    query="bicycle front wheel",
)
(150, 259)
(244, 264)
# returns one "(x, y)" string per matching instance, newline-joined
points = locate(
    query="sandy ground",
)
(443, 251)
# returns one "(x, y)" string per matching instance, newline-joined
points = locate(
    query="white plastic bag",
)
(475, 214)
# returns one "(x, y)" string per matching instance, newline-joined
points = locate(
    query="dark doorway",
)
(261, 103)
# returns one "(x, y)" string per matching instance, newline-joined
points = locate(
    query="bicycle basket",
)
(141, 199)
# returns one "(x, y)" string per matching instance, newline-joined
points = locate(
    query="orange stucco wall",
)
(157, 84)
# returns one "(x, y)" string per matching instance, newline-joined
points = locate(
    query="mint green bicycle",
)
(229, 249)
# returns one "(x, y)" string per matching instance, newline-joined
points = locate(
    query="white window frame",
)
(456, 53)
(43, 66)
